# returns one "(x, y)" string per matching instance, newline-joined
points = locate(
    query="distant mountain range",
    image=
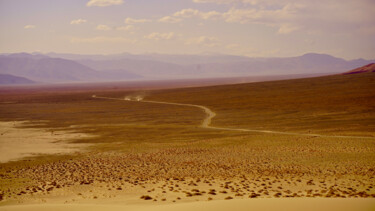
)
(6, 79)
(42, 68)
(62, 68)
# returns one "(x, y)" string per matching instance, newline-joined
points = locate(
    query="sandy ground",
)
(246, 204)
(166, 177)
(17, 142)
(177, 178)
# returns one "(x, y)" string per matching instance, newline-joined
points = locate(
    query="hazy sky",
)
(257, 28)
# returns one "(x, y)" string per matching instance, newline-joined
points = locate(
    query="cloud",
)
(125, 28)
(242, 15)
(169, 19)
(101, 40)
(103, 3)
(258, 16)
(287, 16)
(212, 15)
(215, 1)
(287, 29)
(134, 21)
(78, 21)
(187, 13)
(245, 2)
(29, 27)
(233, 46)
(160, 36)
(190, 13)
(102, 27)
(203, 40)
(286, 19)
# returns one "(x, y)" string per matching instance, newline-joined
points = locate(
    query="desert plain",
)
(308, 143)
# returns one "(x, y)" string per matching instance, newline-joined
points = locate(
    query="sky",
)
(254, 28)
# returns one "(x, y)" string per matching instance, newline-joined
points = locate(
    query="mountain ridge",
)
(57, 68)
(52, 70)
(7, 79)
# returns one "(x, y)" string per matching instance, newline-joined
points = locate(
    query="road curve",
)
(210, 114)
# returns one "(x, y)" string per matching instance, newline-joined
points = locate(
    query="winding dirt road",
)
(210, 114)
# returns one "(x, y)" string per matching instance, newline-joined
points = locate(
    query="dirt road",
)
(210, 114)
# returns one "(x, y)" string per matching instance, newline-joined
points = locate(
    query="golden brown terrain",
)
(159, 153)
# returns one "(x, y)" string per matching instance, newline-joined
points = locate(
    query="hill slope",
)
(339, 104)
(6, 79)
(365, 69)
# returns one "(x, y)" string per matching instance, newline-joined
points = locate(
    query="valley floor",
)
(143, 155)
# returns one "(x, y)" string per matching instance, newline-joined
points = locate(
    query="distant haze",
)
(264, 28)
(61, 68)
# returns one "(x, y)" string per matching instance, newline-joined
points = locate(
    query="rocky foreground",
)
(185, 174)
